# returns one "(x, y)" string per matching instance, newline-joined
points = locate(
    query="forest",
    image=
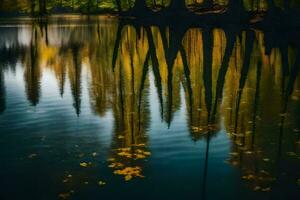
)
(161, 8)
(270, 13)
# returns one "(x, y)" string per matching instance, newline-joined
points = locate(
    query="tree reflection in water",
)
(232, 78)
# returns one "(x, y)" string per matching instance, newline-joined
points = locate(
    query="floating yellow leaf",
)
(116, 165)
(266, 189)
(83, 164)
(94, 154)
(256, 188)
(102, 183)
(64, 195)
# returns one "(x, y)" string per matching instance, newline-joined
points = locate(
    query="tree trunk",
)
(140, 6)
(271, 5)
(208, 3)
(178, 5)
(286, 4)
(236, 8)
(119, 7)
(32, 7)
(42, 7)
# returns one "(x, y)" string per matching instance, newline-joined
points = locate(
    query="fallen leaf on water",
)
(94, 154)
(249, 152)
(283, 114)
(64, 195)
(128, 177)
(116, 165)
(32, 155)
(139, 145)
(129, 173)
(298, 182)
(102, 183)
(291, 153)
(234, 153)
(83, 164)
(248, 177)
(266, 189)
(256, 188)
(266, 159)
(81, 155)
(297, 130)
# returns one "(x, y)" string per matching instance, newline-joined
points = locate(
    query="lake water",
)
(91, 108)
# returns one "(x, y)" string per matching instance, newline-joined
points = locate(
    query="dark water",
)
(91, 109)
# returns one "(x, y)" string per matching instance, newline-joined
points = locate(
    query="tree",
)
(178, 6)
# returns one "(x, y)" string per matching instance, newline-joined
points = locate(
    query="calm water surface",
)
(94, 109)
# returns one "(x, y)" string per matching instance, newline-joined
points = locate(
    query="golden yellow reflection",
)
(225, 76)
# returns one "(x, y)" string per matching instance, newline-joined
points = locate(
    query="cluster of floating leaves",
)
(70, 180)
(135, 152)
(130, 172)
(260, 180)
(204, 129)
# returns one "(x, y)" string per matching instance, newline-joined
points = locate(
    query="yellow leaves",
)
(64, 195)
(135, 154)
(67, 179)
(196, 129)
(268, 189)
(102, 183)
(116, 165)
(94, 154)
(292, 154)
(258, 188)
(139, 145)
(234, 153)
(248, 177)
(249, 152)
(297, 130)
(84, 164)
(111, 159)
(204, 129)
(129, 172)
(125, 154)
(121, 137)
